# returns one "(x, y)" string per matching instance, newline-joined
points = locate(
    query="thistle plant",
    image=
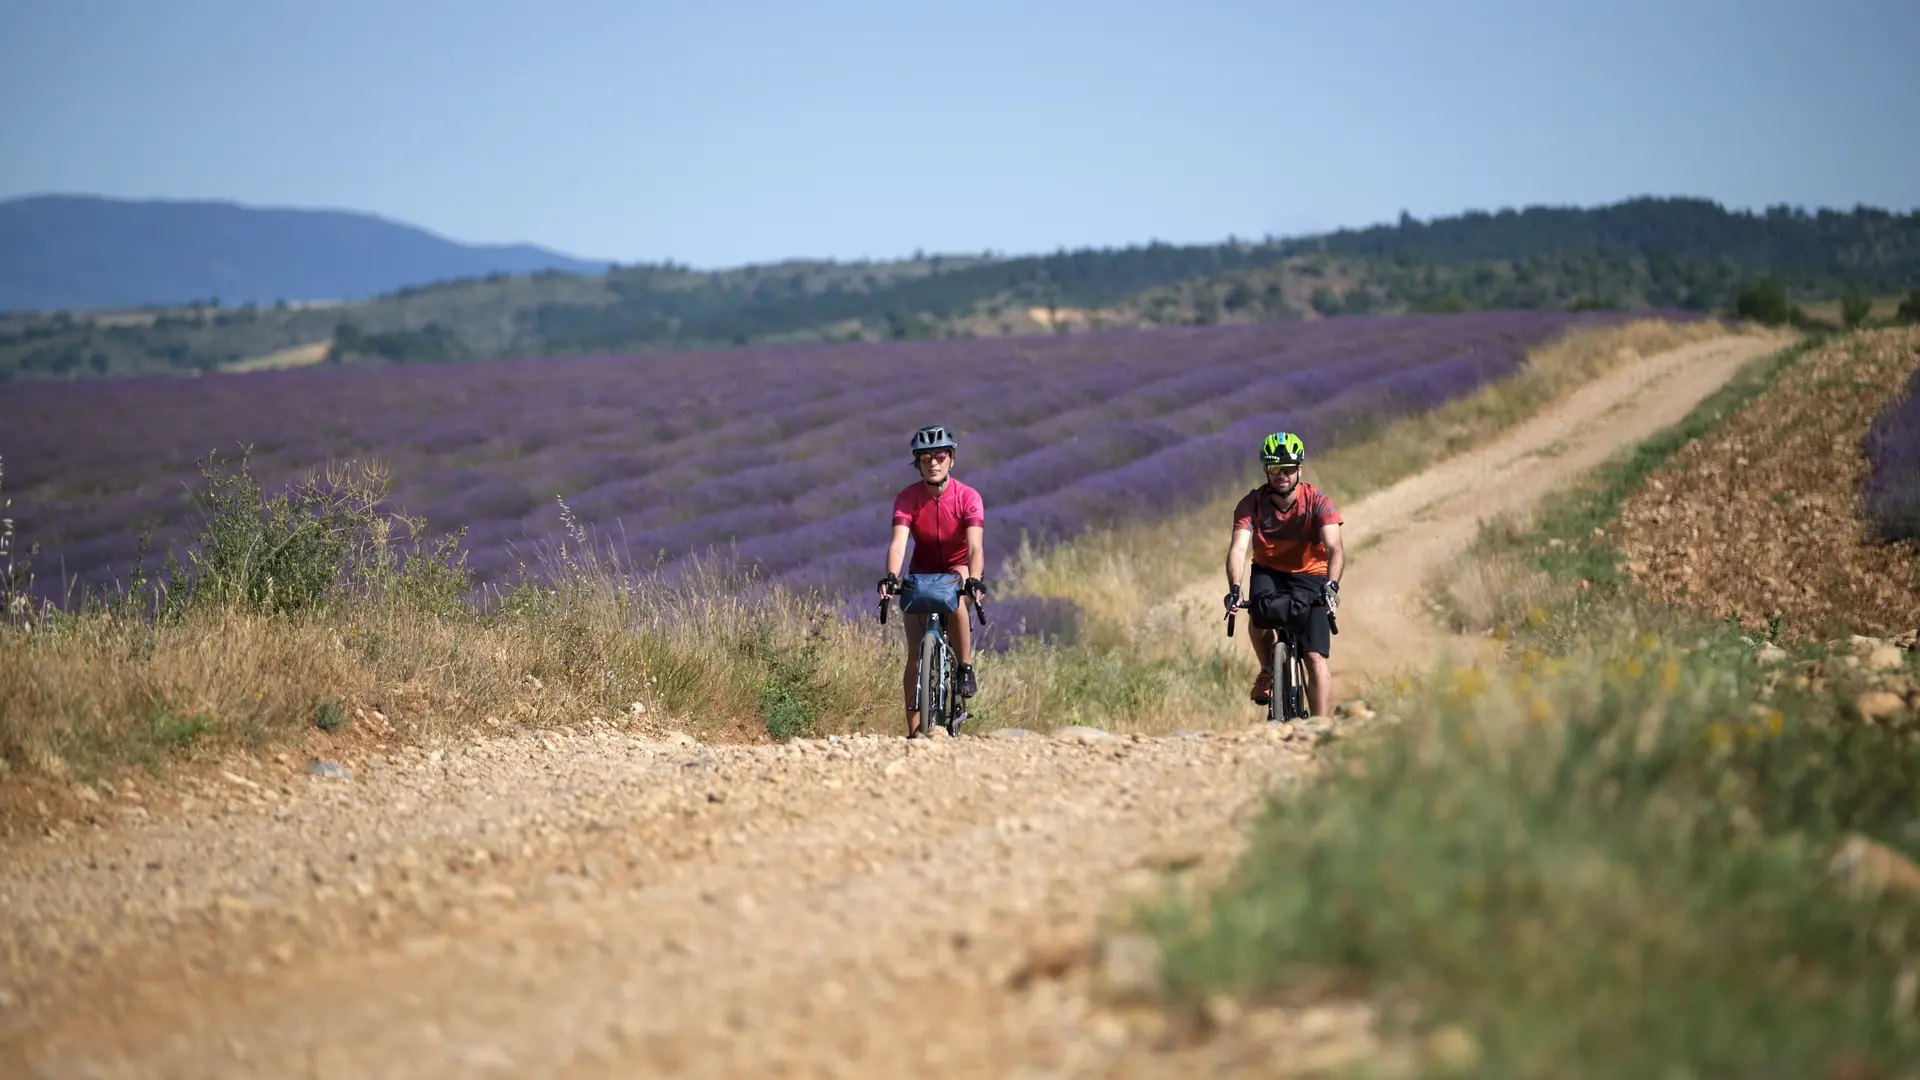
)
(16, 575)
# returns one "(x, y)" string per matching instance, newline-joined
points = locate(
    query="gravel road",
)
(609, 905)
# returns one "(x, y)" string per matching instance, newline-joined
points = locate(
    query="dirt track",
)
(1398, 537)
(603, 905)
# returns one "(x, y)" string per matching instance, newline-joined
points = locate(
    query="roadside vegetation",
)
(1647, 842)
(317, 618)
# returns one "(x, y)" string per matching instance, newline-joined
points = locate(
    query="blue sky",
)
(722, 132)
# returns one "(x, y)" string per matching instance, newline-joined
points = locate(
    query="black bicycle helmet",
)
(933, 437)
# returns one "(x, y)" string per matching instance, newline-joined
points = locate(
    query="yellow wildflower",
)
(1470, 682)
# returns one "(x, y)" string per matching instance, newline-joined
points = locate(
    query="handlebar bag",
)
(923, 594)
(1279, 608)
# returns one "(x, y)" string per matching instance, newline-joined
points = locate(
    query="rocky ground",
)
(605, 904)
(1764, 517)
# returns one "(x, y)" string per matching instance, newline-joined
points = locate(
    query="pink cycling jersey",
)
(938, 524)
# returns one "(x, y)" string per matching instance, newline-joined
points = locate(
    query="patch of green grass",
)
(166, 733)
(1598, 870)
(1045, 686)
(329, 716)
(1607, 859)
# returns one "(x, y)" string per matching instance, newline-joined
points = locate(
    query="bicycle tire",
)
(1305, 709)
(949, 692)
(946, 683)
(929, 694)
(1297, 676)
(1280, 705)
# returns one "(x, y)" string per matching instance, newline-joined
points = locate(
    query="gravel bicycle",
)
(937, 596)
(1289, 663)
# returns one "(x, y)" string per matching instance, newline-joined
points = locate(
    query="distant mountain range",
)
(77, 251)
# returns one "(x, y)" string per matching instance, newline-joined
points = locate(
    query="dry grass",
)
(115, 684)
(1884, 307)
(1495, 588)
(298, 356)
(92, 694)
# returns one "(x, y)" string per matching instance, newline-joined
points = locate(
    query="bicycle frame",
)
(1289, 668)
(939, 670)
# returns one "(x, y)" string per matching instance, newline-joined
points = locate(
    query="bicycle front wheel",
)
(1281, 707)
(1296, 683)
(932, 709)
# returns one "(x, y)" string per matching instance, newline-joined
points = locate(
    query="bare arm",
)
(1237, 556)
(976, 551)
(1336, 551)
(897, 550)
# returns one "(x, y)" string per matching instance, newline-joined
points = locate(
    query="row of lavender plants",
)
(1893, 452)
(785, 457)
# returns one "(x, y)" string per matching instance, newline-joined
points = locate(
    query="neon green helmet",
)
(1282, 448)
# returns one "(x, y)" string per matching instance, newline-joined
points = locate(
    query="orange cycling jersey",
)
(1287, 538)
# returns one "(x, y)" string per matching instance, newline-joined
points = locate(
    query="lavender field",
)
(1893, 449)
(788, 455)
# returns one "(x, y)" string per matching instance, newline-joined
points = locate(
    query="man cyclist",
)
(1293, 530)
(946, 520)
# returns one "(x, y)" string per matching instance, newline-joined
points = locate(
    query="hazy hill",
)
(63, 251)
(1664, 253)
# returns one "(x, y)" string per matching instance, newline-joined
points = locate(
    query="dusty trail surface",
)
(1399, 536)
(604, 905)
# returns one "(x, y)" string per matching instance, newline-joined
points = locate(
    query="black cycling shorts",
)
(1308, 592)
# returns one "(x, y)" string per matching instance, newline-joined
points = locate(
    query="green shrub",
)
(1854, 311)
(792, 691)
(1765, 302)
(324, 539)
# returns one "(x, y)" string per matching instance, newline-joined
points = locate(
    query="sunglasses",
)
(936, 457)
(1283, 470)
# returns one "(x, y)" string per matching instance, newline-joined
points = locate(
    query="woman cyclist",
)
(946, 520)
